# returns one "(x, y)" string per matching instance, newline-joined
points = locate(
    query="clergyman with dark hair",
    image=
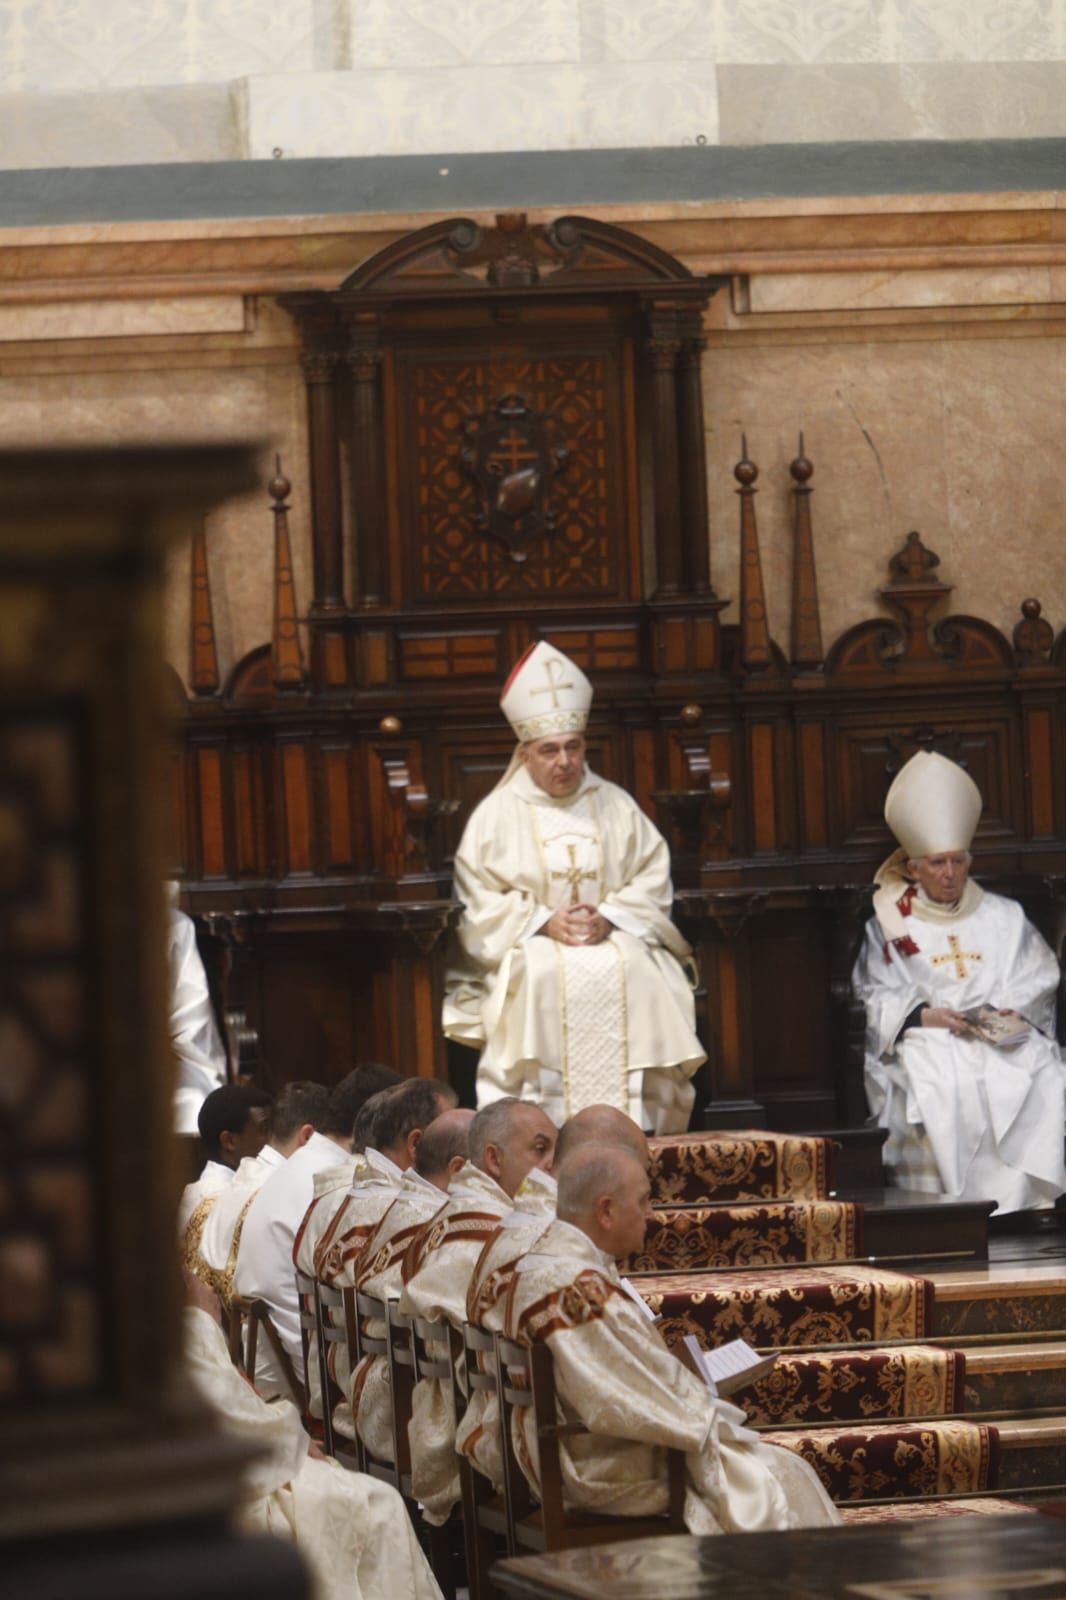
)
(233, 1123)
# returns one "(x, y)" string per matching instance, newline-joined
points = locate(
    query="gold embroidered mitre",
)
(545, 694)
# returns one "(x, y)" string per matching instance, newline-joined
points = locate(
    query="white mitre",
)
(545, 694)
(933, 807)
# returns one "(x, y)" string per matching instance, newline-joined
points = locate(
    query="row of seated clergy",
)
(353, 1532)
(351, 1199)
(263, 1268)
(233, 1124)
(210, 1250)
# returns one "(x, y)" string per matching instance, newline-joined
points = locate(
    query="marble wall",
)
(916, 342)
(91, 82)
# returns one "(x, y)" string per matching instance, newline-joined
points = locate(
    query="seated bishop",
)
(353, 1532)
(441, 1152)
(569, 978)
(617, 1379)
(973, 1103)
(506, 1140)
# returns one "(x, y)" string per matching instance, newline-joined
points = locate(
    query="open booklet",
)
(994, 1027)
(730, 1367)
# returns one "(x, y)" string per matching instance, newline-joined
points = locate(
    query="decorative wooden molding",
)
(287, 658)
(755, 646)
(1033, 636)
(203, 655)
(806, 653)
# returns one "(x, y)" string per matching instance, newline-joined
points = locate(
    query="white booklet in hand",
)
(730, 1367)
(1005, 1029)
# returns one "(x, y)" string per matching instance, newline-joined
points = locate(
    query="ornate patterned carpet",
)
(858, 1386)
(697, 1238)
(791, 1306)
(936, 1458)
(719, 1168)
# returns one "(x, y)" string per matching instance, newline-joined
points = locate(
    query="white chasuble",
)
(436, 1276)
(353, 1531)
(569, 1026)
(615, 1376)
(966, 1118)
(380, 1273)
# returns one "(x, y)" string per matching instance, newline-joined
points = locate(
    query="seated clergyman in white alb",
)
(615, 1376)
(966, 1116)
(353, 1532)
(570, 976)
(199, 1055)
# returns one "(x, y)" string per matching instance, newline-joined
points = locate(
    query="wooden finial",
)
(755, 652)
(1033, 637)
(203, 654)
(807, 653)
(287, 659)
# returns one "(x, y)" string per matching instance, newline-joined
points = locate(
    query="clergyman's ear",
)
(491, 1158)
(227, 1140)
(304, 1133)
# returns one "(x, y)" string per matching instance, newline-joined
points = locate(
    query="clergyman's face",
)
(530, 1143)
(556, 764)
(943, 877)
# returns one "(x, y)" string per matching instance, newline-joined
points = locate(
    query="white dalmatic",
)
(614, 1375)
(966, 1118)
(572, 1025)
(353, 1531)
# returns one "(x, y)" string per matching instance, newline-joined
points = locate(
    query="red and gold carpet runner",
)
(934, 1458)
(791, 1306)
(722, 1167)
(850, 1385)
(696, 1238)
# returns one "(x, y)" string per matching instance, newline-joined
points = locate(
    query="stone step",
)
(999, 1299)
(1015, 1377)
(1032, 1453)
(906, 1223)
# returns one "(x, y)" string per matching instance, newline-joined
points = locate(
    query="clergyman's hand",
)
(594, 927)
(944, 1017)
(577, 925)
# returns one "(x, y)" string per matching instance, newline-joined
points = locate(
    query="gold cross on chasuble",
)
(574, 874)
(960, 957)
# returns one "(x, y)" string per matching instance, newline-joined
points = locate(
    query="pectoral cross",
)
(960, 957)
(573, 874)
(552, 667)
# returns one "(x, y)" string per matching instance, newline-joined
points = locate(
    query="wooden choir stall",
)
(507, 443)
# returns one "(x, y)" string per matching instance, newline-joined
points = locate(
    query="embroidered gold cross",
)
(960, 957)
(553, 666)
(573, 874)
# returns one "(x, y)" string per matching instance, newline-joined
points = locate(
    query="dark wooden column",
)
(693, 457)
(368, 461)
(663, 346)
(327, 532)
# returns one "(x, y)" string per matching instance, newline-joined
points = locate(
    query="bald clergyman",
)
(614, 1374)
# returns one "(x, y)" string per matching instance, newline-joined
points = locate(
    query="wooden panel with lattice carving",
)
(580, 395)
(50, 1306)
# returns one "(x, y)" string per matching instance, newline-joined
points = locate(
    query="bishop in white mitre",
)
(615, 1376)
(965, 1117)
(570, 977)
(353, 1531)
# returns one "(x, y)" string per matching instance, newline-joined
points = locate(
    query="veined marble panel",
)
(116, 319)
(480, 108)
(873, 291)
(427, 33)
(91, 128)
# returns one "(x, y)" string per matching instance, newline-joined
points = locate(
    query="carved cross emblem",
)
(573, 874)
(959, 957)
(509, 454)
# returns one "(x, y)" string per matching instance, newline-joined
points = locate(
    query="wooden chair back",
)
(336, 1331)
(526, 1376)
(401, 1359)
(253, 1317)
(485, 1513)
(435, 1350)
(310, 1344)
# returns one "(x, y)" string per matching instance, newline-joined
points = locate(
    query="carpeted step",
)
(857, 1385)
(904, 1460)
(923, 1510)
(791, 1305)
(1016, 1377)
(703, 1238)
(751, 1164)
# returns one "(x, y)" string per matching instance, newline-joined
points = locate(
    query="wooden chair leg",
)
(442, 1553)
